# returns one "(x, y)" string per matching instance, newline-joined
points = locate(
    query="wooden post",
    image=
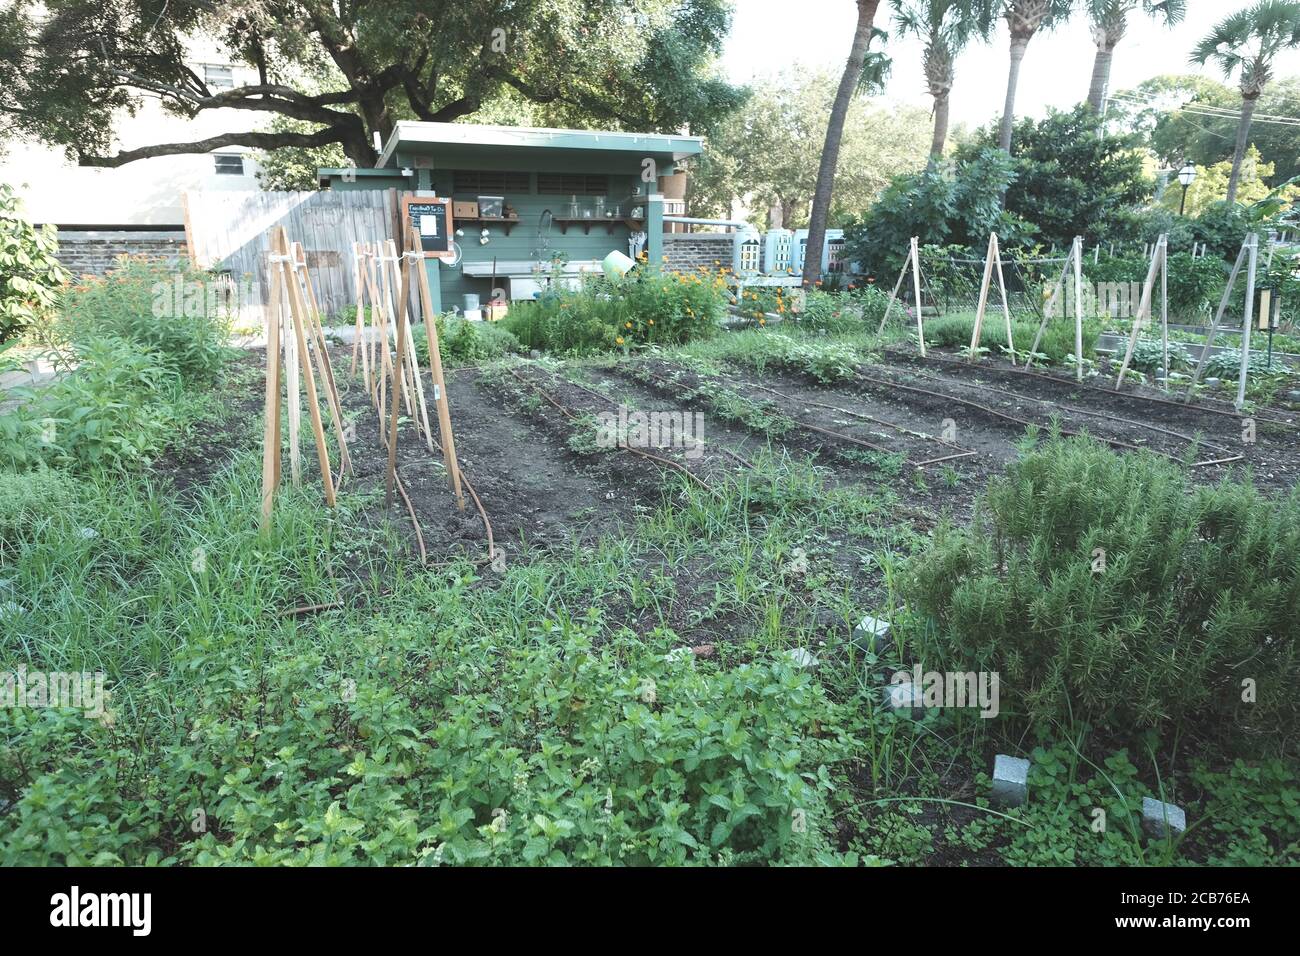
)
(1164, 307)
(1218, 317)
(358, 293)
(396, 389)
(323, 364)
(1002, 288)
(398, 315)
(1252, 244)
(1048, 307)
(1077, 252)
(294, 369)
(916, 283)
(902, 274)
(300, 321)
(435, 372)
(1144, 307)
(271, 427)
(983, 300)
(362, 335)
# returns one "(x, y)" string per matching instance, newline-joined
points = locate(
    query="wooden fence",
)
(230, 232)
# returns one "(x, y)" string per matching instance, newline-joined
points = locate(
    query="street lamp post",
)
(1186, 176)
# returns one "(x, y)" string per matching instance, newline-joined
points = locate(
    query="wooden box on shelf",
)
(464, 210)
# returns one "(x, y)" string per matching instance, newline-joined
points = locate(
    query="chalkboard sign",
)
(432, 221)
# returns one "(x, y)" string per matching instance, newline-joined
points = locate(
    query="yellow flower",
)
(762, 321)
(618, 340)
(627, 325)
(652, 321)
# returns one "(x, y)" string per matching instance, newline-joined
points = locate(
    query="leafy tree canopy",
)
(1175, 124)
(1071, 174)
(954, 204)
(767, 152)
(346, 70)
(1211, 185)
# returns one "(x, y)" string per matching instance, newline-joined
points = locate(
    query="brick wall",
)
(94, 252)
(687, 251)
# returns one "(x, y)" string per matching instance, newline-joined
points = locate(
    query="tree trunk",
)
(1018, 45)
(1243, 135)
(776, 214)
(1100, 76)
(812, 265)
(940, 127)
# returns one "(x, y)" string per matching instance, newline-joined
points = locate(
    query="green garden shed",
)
(528, 204)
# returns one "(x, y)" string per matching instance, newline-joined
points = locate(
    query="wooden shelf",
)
(509, 222)
(564, 222)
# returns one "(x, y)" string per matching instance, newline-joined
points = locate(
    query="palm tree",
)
(1024, 19)
(945, 26)
(1246, 43)
(856, 72)
(1110, 23)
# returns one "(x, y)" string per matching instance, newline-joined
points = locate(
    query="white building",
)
(146, 194)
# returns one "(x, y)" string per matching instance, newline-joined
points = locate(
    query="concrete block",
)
(1010, 781)
(904, 699)
(872, 634)
(1162, 819)
(802, 658)
(1212, 382)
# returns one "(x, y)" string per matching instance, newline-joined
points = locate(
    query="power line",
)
(1203, 109)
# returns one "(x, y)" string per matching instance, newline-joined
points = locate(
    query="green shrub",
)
(493, 732)
(1195, 285)
(1149, 355)
(1227, 364)
(175, 312)
(1057, 343)
(1200, 590)
(646, 306)
(117, 406)
(30, 275)
(461, 342)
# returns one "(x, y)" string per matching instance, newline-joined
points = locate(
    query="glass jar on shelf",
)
(575, 210)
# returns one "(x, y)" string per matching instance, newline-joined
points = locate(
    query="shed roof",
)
(453, 140)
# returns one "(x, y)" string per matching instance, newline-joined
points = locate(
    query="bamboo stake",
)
(298, 310)
(435, 372)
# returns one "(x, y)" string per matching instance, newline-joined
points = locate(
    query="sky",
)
(769, 34)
